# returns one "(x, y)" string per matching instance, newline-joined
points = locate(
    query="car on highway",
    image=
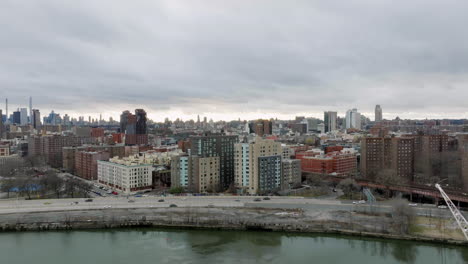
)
(131, 201)
(442, 207)
(257, 200)
(361, 202)
(88, 200)
(211, 205)
(266, 198)
(161, 200)
(413, 204)
(173, 205)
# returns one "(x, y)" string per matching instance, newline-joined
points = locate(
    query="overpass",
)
(428, 191)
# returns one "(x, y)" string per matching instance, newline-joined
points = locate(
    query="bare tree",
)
(389, 178)
(71, 187)
(7, 185)
(27, 186)
(51, 183)
(84, 188)
(402, 214)
(348, 186)
(35, 161)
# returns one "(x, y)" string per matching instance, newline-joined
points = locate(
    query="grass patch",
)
(353, 196)
(416, 229)
(313, 192)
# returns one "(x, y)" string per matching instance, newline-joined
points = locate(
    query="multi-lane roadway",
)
(108, 203)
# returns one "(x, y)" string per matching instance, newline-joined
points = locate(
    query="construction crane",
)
(461, 221)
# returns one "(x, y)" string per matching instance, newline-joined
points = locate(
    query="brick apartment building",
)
(86, 163)
(397, 154)
(51, 147)
(339, 163)
(261, 127)
(97, 132)
(69, 154)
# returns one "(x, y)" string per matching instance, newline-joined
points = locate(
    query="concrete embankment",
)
(240, 218)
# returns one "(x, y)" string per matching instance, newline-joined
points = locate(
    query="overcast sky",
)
(237, 58)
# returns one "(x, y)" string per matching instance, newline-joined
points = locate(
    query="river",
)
(202, 246)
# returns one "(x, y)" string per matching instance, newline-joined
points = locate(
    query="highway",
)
(108, 203)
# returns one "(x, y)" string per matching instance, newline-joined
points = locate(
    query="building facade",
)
(330, 121)
(196, 174)
(86, 163)
(217, 145)
(125, 176)
(378, 113)
(269, 173)
(291, 173)
(247, 168)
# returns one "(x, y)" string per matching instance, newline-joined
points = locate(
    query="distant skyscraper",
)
(53, 119)
(124, 120)
(6, 110)
(17, 117)
(141, 128)
(30, 111)
(24, 116)
(330, 121)
(36, 119)
(353, 119)
(378, 113)
(134, 126)
(1, 123)
(66, 119)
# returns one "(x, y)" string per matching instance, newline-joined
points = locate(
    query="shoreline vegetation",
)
(220, 218)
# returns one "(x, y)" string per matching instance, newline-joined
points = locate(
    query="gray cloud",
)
(236, 58)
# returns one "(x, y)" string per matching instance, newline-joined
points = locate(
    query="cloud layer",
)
(230, 59)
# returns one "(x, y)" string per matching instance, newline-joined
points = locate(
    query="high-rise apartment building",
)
(134, 127)
(256, 165)
(196, 174)
(269, 173)
(86, 163)
(217, 145)
(378, 113)
(402, 160)
(430, 154)
(330, 121)
(291, 173)
(396, 153)
(51, 147)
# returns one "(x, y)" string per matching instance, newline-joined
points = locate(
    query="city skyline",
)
(219, 117)
(230, 60)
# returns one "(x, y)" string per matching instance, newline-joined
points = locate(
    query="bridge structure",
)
(427, 191)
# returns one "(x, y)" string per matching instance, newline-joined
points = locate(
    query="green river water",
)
(202, 246)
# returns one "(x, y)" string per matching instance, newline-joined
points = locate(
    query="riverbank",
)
(219, 218)
(167, 245)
